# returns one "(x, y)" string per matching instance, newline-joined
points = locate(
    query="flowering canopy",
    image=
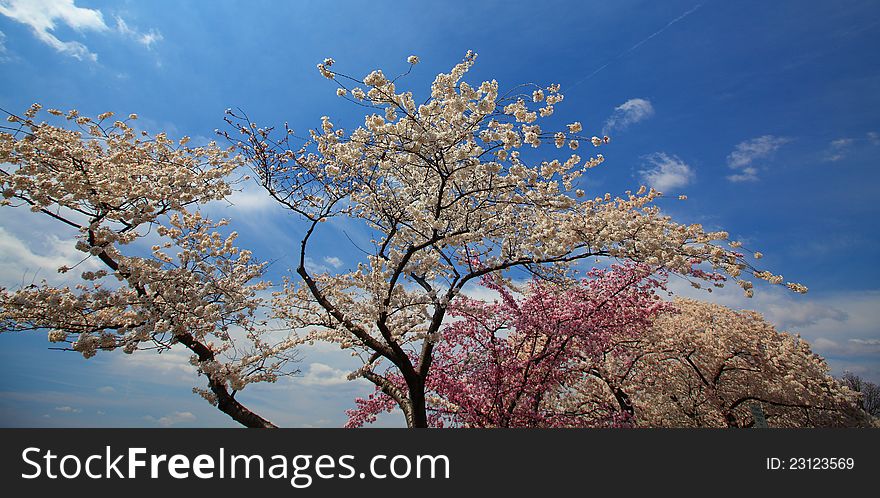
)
(449, 196)
(518, 362)
(113, 185)
(706, 365)
(607, 352)
(445, 188)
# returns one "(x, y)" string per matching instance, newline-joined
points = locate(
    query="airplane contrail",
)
(664, 28)
(637, 45)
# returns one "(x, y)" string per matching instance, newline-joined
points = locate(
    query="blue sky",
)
(764, 113)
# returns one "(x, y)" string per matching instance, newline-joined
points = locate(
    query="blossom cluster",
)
(515, 362)
(706, 365)
(115, 186)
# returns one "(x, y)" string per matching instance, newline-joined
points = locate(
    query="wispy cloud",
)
(329, 263)
(747, 152)
(630, 112)
(666, 172)
(67, 409)
(333, 261)
(170, 368)
(251, 198)
(320, 374)
(866, 342)
(314, 267)
(171, 419)
(748, 174)
(38, 257)
(838, 149)
(44, 16)
(147, 39)
(842, 148)
(4, 54)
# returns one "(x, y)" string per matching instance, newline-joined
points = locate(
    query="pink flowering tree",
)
(608, 353)
(519, 362)
(112, 187)
(440, 182)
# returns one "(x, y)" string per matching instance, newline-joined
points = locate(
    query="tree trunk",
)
(418, 418)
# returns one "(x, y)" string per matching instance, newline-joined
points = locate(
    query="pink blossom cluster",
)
(511, 363)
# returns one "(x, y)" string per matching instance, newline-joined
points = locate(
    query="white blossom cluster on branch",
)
(114, 186)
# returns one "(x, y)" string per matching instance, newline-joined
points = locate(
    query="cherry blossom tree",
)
(706, 365)
(609, 353)
(869, 393)
(115, 189)
(519, 362)
(449, 194)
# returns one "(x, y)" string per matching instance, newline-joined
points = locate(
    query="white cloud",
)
(172, 419)
(666, 172)
(748, 174)
(122, 27)
(315, 268)
(4, 54)
(320, 374)
(476, 291)
(106, 390)
(825, 344)
(333, 261)
(793, 313)
(170, 367)
(329, 264)
(67, 409)
(136, 395)
(38, 258)
(874, 137)
(630, 112)
(866, 342)
(747, 152)
(44, 16)
(838, 149)
(146, 39)
(249, 198)
(785, 309)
